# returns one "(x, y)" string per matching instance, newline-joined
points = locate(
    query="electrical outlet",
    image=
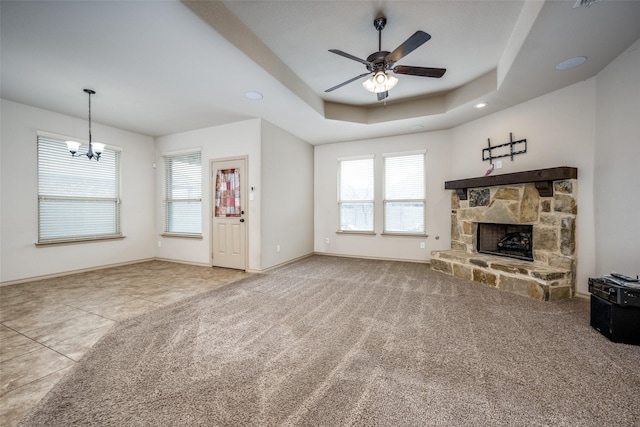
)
(498, 164)
(423, 245)
(277, 248)
(326, 240)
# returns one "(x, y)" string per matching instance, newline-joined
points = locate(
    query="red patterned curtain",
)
(228, 193)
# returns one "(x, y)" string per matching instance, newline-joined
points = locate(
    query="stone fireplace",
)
(515, 232)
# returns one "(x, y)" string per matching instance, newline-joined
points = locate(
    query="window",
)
(78, 199)
(404, 194)
(356, 195)
(183, 193)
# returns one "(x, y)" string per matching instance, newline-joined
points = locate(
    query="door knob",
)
(241, 219)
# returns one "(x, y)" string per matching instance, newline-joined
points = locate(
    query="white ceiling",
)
(161, 67)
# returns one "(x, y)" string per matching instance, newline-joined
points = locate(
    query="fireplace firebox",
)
(509, 240)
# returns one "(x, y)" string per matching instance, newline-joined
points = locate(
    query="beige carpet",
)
(335, 342)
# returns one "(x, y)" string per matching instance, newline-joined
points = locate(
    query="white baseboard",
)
(177, 261)
(583, 296)
(281, 264)
(419, 261)
(70, 272)
(102, 267)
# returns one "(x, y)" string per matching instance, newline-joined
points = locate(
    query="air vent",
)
(587, 3)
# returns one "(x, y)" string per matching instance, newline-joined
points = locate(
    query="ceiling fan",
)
(379, 62)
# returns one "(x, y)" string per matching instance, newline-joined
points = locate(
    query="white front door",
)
(229, 213)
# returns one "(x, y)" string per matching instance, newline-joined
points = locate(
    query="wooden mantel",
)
(541, 178)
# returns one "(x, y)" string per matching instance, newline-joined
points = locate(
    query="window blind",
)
(404, 194)
(356, 194)
(77, 198)
(183, 193)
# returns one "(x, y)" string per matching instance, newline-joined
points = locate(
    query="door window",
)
(228, 193)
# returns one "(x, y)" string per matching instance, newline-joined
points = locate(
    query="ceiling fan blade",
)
(349, 56)
(412, 43)
(419, 71)
(382, 95)
(347, 82)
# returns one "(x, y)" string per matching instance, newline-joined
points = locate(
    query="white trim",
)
(273, 267)
(179, 261)
(364, 157)
(404, 153)
(581, 295)
(73, 241)
(366, 233)
(64, 138)
(417, 261)
(70, 272)
(404, 234)
(182, 236)
(185, 151)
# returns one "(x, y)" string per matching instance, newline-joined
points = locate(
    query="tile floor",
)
(47, 325)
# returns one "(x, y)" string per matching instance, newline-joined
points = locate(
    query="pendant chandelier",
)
(95, 148)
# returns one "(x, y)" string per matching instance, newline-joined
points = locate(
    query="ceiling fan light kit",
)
(380, 82)
(378, 63)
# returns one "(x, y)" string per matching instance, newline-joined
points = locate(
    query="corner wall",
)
(20, 259)
(560, 131)
(218, 142)
(438, 225)
(617, 163)
(287, 196)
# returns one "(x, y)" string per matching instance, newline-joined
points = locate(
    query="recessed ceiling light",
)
(254, 96)
(481, 105)
(416, 127)
(571, 63)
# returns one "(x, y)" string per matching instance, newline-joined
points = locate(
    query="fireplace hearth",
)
(508, 240)
(515, 232)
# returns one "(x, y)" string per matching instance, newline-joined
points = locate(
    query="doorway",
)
(229, 213)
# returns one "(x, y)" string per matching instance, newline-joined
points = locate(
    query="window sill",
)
(422, 235)
(366, 233)
(76, 241)
(182, 236)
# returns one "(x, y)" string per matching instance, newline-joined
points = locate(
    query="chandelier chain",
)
(89, 117)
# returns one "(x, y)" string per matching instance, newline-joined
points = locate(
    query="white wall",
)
(219, 142)
(20, 259)
(617, 162)
(379, 246)
(560, 131)
(592, 125)
(287, 196)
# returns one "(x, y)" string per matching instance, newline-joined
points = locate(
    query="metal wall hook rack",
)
(487, 153)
